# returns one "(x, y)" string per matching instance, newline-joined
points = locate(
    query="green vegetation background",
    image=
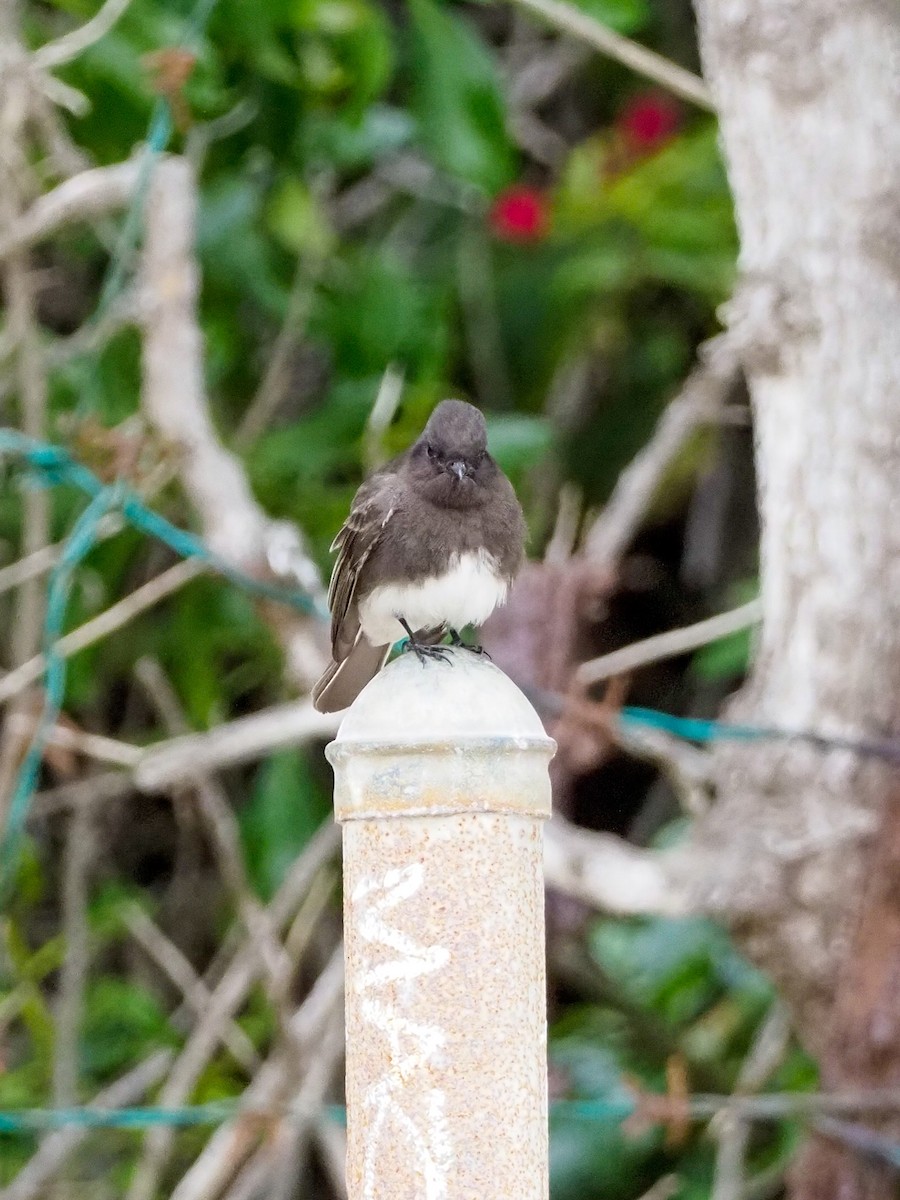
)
(354, 162)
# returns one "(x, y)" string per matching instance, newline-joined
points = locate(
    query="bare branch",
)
(607, 872)
(243, 740)
(84, 197)
(111, 785)
(174, 398)
(222, 831)
(30, 377)
(699, 400)
(169, 959)
(228, 996)
(276, 380)
(305, 1108)
(565, 530)
(663, 1189)
(107, 622)
(631, 54)
(31, 1182)
(669, 644)
(31, 567)
(73, 973)
(232, 1143)
(64, 49)
(331, 1143)
(389, 393)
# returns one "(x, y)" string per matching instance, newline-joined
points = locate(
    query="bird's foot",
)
(423, 650)
(457, 643)
(480, 650)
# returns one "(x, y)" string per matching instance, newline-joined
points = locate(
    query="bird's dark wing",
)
(373, 506)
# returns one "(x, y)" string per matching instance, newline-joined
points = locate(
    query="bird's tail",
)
(342, 681)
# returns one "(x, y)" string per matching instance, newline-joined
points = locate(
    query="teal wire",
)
(43, 1120)
(159, 134)
(53, 465)
(78, 544)
(696, 729)
(56, 466)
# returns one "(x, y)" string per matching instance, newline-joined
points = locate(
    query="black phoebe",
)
(432, 543)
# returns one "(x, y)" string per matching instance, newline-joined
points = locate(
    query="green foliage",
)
(457, 98)
(123, 1024)
(624, 16)
(727, 658)
(283, 812)
(676, 990)
(349, 154)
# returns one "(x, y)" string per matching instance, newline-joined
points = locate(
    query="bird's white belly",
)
(466, 594)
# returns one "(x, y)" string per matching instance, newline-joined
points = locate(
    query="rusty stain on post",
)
(441, 785)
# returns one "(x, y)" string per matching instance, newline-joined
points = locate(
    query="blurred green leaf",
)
(590, 1154)
(458, 100)
(349, 143)
(123, 1023)
(729, 657)
(283, 812)
(345, 49)
(298, 220)
(674, 967)
(236, 255)
(518, 442)
(624, 16)
(380, 309)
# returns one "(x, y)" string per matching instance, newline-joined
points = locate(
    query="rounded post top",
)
(414, 703)
(440, 737)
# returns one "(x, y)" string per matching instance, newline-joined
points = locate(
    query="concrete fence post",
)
(441, 785)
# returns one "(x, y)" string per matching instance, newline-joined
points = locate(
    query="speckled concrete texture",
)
(441, 783)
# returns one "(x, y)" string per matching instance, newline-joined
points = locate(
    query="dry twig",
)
(84, 197)
(73, 973)
(174, 398)
(605, 871)
(231, 1144)
(226, 999)
(631, 54)
(107, 622)
(169, 958)
(234, 742)
(68, 47)
(55, 1149)
(670, 644)
(699, 401)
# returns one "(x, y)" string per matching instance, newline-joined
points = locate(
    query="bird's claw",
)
(458, 644)
(479, 650)
(423, 652)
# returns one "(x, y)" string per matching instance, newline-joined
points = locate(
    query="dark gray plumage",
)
(434, 539)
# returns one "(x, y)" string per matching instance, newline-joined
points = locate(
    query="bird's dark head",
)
(450, 463)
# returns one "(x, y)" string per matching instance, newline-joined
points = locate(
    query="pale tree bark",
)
(800, 851)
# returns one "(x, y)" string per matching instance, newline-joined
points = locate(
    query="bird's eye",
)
(431, 452)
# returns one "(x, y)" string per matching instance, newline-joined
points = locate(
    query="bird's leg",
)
(456, 640)
(422, 650)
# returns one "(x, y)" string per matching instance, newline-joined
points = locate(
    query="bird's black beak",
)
(458, 468)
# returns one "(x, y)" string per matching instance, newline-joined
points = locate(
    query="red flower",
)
(649, 120)
(520, 214)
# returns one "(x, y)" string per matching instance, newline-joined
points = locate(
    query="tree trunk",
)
(802, 853)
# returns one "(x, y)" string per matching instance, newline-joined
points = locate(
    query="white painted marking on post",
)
(412, 1045)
